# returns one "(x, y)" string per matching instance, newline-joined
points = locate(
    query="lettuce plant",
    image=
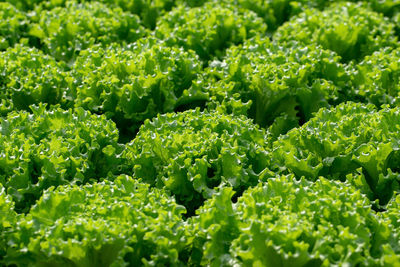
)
(134, 83)
(279, 84)
(29, 77)
(274, 12)
(347, 139)
(199, 133)
(208, 29)
(13, 25)
(8, 220)
(116, 223)
(289, 222)
(65, 31)
(392, 215)
(192, 152)
(26, 5)
(148, 11)
(54, 147)
(377, 78)
(351, 30)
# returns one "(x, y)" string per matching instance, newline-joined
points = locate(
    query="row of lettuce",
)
(87, 55)
(200, 188)
(199, 133)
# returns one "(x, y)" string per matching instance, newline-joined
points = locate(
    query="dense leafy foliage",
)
(339, 141)
(65, 31)
(199, 133)
(134, 83)
(192, 152)
(29, 77)
(286, 222)
(377, 78)
(209, 29)
(387, 7)
(13, 25)
(26, 5)
(50, 148)
(74, 226)
(396, 20)
(392, 215)
(282, 84)
(8, 219)
(351, 30)
(148, 11)
(276, 12)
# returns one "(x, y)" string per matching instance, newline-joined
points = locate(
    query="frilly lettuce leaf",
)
(30, 77)
(133, 83)
(281, 85)
(116, 223)
(65, 31)
(351, 30)
(8, 220)
(289, 222)
(208, 29)
(376, 79)
(340, 140)
(54, 147)
(13, 25)
(192, 152)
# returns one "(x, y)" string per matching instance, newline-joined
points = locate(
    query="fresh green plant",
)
(274, 12)
(65, 31)
(116, 223)
(392, 215)
(281, 85)
(338, 142)
(377, 78)
(26, 5)
(54, 147)
(134, 83)
(8, 220)
(208, 29)
(13, 25)
(148, 11)
(29, 77)
(289, 222)
(199, 133)
(192, 152)
(351, 30)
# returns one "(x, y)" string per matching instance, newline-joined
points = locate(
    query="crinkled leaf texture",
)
(116, 223)
(30, 77)
(54, 147)
(351, 30)
(209, 29)
(275, 12)
(280, 85)
(148, 11)
(65, 31)
(377, 78)
(392, 215)
(289, 222)
(13, 25)
(192, 152)
(8, 220)
(133, 83)
(347, 139)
